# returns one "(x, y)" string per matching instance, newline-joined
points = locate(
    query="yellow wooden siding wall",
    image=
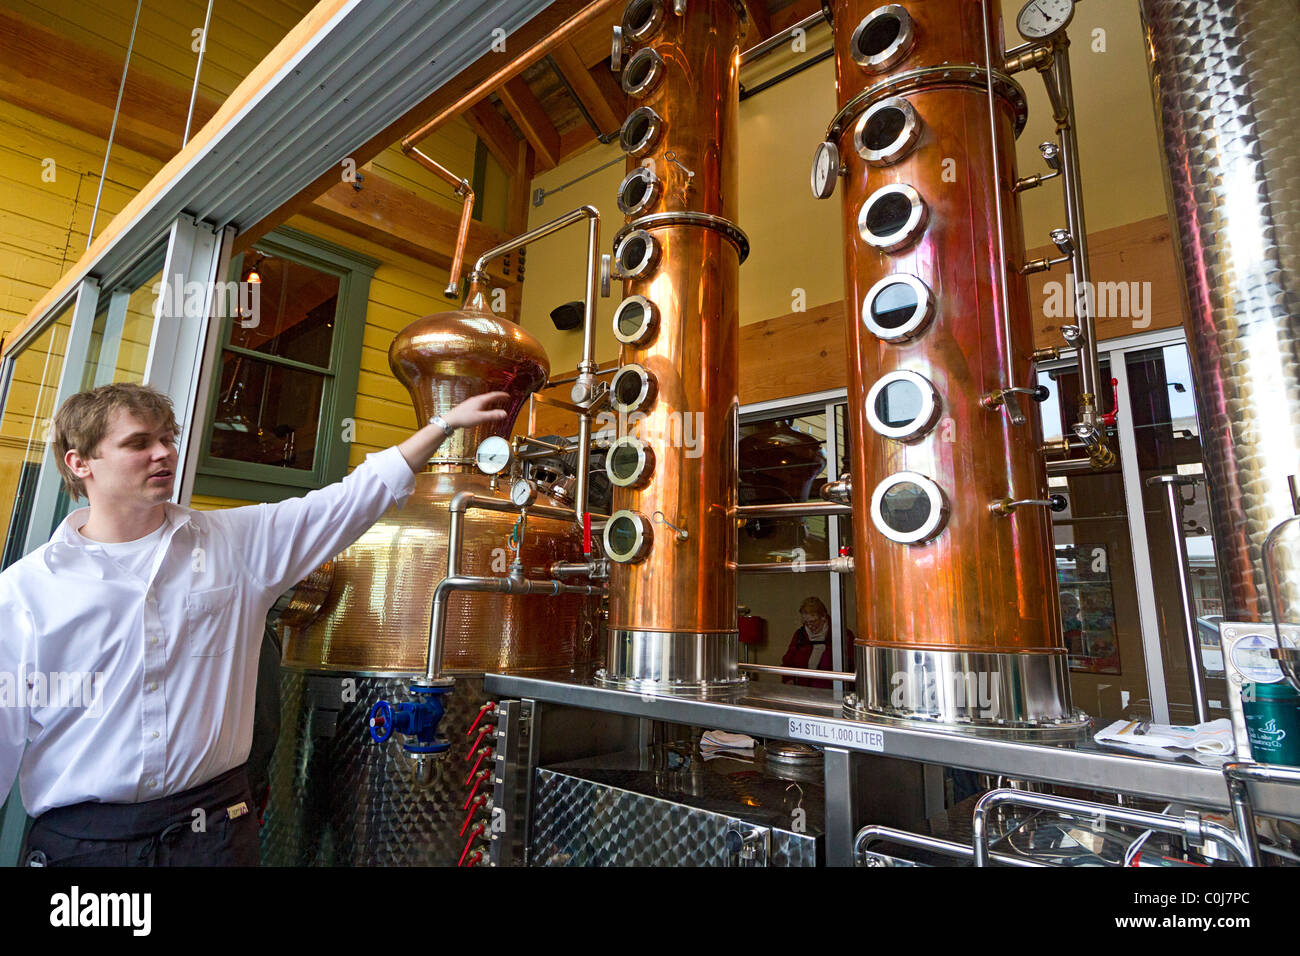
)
(240, 35)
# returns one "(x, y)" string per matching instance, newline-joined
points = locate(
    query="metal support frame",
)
(1240, 776)
(1190, 825)
(877, 834)
(841, 807)
(512, 791)
(45, 500)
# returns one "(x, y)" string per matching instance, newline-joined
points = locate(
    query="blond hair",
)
(82, 421)
(814, 605)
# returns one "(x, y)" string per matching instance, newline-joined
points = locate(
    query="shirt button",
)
(155, 735)
(151, 686)
(152, 782)
(153, 640)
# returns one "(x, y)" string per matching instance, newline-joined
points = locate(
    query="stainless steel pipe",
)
(1173, 485)
(877, 834)
(843, 677)
(1192, 826)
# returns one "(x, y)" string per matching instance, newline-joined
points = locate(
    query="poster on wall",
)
(1088, 608)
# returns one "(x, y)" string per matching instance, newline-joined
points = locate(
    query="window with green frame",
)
(286, 381)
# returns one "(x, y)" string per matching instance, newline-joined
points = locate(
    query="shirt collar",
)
(67, 541)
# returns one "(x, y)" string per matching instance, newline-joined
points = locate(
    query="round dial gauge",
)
(1040, 19)
(825, 168)
(493, 455)
(523, 493)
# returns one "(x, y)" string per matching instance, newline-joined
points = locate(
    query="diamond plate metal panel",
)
(580, 822)
(339, 799)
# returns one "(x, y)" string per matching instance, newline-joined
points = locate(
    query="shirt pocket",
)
(212, 621)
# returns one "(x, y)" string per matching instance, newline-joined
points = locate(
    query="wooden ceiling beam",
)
(532, 121)
(760, 24)
(590, 94)
(495, 133)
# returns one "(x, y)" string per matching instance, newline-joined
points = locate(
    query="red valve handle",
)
(475, 858)
(482, 753)
(472, 810)
(586, 533)
(1109, 418)
(482, 775)
(481, 711)
(478, 831)
(481, 734)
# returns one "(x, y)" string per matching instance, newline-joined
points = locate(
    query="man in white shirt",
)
(129, 642)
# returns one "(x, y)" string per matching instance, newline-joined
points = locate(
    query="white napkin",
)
(1213, 737)
(714, 740)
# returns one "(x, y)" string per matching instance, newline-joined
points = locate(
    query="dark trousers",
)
(213, 824)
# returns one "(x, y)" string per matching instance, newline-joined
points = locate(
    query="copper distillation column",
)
(954, 566)
(671, 536)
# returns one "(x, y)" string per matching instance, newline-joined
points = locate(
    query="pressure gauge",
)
(825, 168)
(1042, 19)
(523, 493)
(493, 455)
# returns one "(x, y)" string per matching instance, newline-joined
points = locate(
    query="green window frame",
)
(249, 481)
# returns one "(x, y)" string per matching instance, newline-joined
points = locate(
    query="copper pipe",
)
(463, 188)
(791, 509)
(511, 69)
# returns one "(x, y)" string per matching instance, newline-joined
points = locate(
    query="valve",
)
(1109, 418)
(417, 720)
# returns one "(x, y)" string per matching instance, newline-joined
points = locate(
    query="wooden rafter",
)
(532, 121)
(495, 133)
(590, 94)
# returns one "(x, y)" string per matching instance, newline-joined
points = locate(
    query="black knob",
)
(1059, 503)
(1041, 393)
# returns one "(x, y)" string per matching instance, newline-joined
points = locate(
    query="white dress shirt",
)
(122, 687)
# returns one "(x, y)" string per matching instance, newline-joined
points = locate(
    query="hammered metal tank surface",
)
(949, 590)
(1226, 77)
(339, 799)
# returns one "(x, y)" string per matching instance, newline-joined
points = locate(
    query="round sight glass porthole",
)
(640, 132)
(629, 462)
(627, 537)
(642, 18)
(643, 72)
(908, 508)
(902, 405)
(883, 39)
(887, 132)
(632, 388)
(636, 254)
(892, 217)
(638, 190)
(898, 307)
(635, 320)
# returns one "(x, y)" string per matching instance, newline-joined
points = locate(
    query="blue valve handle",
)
(416, 720)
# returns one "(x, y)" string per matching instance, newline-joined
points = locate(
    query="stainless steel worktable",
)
(795, 713)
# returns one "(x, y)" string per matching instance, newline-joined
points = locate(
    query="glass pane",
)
(296, 310)
(1168, 442)
(123, 328)
(784, 460)
(266, 414)
(28, 411)
(1094, 569)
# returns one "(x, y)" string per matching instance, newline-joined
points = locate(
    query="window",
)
(287, 373)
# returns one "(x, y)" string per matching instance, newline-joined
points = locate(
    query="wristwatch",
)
(442, 423)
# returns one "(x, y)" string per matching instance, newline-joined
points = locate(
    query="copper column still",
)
(377, 615)
(671, 537)
(955, 574)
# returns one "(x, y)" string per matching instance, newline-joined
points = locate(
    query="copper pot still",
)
(671, 536)
(958, 608)
(375, 618)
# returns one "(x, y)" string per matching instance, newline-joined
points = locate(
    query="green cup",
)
(1272, 714)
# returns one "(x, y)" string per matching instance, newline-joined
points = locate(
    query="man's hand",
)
(420, 447)
(477, 410)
